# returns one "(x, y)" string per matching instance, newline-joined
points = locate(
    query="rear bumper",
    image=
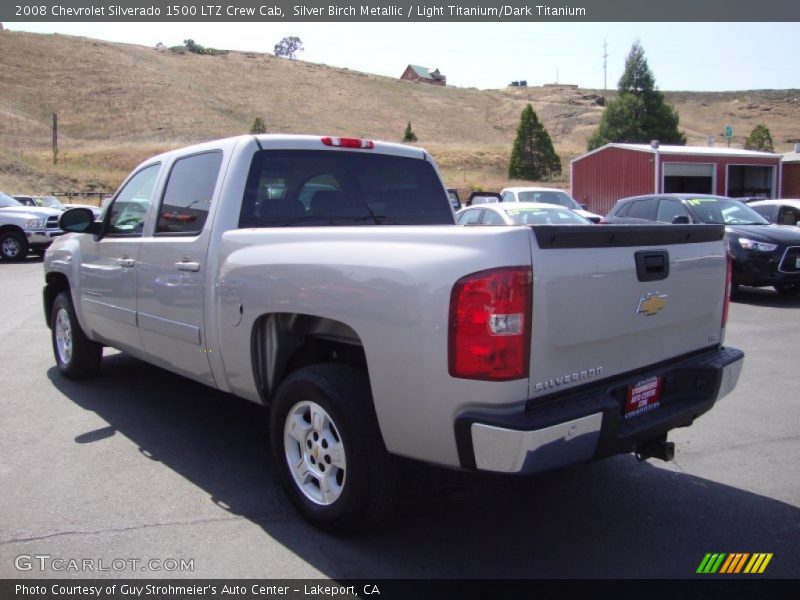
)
(588, 423)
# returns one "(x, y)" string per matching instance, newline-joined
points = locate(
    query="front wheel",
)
(328, 449)
(76, 355)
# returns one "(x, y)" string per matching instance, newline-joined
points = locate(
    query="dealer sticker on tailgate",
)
(643, 397)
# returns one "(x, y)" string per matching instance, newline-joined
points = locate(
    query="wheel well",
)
(56, 283)
(285, 342)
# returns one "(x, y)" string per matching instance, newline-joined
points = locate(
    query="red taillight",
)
(341, 142)
(490, 314)
(728, 284)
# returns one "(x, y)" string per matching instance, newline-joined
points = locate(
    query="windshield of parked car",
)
(725, 211)
(7, 201)
(549, 197)
(545, 216)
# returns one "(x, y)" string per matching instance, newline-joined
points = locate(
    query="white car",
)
(781, 212)
(519, 213)
(547, 196)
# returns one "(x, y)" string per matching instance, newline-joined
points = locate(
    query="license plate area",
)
(643, 397)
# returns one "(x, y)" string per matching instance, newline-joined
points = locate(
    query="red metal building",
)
(791, 174)
(603, 176)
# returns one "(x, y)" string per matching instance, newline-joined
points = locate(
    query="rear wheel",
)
(76, 355)
(328, 450)
(13, 245)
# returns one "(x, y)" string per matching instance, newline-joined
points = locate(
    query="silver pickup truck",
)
(325, 278)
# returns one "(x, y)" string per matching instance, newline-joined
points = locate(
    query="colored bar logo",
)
(734, 563)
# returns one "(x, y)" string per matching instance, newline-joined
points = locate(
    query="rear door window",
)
(320, 187)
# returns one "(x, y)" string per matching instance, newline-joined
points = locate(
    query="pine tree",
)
(639, 113)
(409, 135)
(258, 126)
(760, 139)
(533, 156)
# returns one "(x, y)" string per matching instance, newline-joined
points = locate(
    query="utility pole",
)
(54, 117)
(605, 65)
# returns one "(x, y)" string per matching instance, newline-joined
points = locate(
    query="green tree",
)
(409, 135)
(533, 156)
(258, 126)
(639, 113)
(289, 47)
(760, 139)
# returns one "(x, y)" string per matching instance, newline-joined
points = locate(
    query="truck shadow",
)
(615, 518)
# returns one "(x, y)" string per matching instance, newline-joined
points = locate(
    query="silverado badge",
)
(651, 303)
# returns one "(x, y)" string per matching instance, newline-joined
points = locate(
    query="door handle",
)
(126, 262)
(188, 265)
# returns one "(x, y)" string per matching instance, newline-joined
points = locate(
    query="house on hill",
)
(416, 73)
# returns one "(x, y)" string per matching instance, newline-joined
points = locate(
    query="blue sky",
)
(683, 56)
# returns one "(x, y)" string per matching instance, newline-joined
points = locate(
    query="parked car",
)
(25, 228)
(455, 201)
(780, 212)
(53, 202)
(547, 196)
(763, 254)
(483, 198)
(519, 213)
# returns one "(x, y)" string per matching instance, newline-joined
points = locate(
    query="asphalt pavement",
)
(141, 473)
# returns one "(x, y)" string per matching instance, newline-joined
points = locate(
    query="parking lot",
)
(142, 465)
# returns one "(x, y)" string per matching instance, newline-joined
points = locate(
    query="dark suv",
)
(762, 254)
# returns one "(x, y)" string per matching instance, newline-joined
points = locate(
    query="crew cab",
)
(25, 228)
(326, 279)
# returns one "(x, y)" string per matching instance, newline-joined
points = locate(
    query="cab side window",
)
(508, 196)
(187, 197)
(127, 213)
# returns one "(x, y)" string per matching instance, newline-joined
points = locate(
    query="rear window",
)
(319, 188)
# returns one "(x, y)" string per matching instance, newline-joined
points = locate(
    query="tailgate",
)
(596, 313)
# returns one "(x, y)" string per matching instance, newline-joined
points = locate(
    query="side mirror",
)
(79, 220)
(681, 220)
(584, 206)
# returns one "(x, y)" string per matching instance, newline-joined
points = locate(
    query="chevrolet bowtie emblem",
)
(651, 304)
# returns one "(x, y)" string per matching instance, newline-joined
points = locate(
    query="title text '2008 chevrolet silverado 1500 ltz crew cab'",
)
(326, 279)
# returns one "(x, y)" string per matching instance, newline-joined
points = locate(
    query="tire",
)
(76, 355)
(328, 449)
(788, 289)
(13, 246)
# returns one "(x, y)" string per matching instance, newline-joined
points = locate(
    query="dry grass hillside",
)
(119, 103)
